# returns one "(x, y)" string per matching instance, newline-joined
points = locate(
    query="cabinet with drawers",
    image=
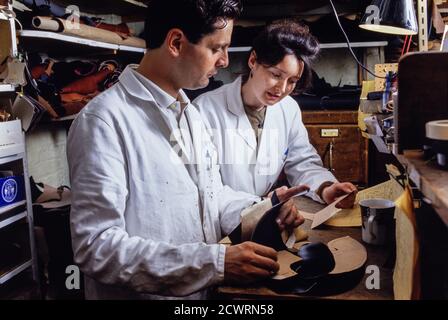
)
(338, 140)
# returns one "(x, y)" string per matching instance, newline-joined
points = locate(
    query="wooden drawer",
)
(339, 142)
(330, 117)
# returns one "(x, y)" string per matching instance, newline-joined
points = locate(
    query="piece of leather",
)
(349, 258)
(87, 84)
(122, 29)
(307, 267)
(348, 253)
(266, 231)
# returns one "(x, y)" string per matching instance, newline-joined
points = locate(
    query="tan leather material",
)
(285, 259)
(84, 31)
(348, 254)
(250, 218)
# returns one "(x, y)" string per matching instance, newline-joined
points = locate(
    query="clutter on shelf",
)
(4, 116)
(51, 16)
(323, 95)
(57, 89)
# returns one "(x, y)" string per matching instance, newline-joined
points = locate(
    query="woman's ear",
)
(252, 60)
(174, 40)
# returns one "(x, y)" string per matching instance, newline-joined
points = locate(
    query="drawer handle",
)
(329, 149)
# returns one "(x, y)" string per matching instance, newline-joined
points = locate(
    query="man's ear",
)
(174, 40)
(252, 60)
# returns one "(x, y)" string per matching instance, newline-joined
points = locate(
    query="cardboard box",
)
(11, 133)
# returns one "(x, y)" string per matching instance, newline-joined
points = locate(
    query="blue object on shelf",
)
(12, 190)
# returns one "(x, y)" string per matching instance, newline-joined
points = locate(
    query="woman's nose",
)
(282, 86)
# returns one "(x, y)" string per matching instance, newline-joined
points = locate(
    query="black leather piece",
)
(317, 261)
(267, 232)
(235, 235)
(275, 200)
(330, 284)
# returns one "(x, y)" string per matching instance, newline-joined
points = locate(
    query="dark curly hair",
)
(196, 18)
(286, 37)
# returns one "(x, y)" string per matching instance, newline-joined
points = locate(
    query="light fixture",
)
(391, 17)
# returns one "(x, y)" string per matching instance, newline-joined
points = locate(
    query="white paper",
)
(327, 212)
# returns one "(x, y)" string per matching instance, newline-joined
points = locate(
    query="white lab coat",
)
(136, 223)
(284, 143)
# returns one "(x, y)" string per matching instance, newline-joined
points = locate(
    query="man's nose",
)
(223, 61)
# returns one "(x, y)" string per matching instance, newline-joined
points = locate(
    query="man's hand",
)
(249, 261)
(336, 190)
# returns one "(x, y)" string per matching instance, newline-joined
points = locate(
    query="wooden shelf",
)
(337, 45)
(370, 44)
(37, 35)
(119, 7)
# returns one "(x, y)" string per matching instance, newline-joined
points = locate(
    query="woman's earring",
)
(251, 74)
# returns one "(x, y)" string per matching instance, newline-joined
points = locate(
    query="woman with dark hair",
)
(257, 127)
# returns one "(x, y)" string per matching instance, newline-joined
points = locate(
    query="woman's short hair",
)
(196, 18)
(283, 38)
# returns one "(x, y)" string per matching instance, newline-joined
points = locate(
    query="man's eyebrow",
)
(222, 44)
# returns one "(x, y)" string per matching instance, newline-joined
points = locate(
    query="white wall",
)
(47, 160)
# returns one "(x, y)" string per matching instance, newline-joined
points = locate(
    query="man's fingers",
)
(257, 273)
(267, 264)
(265, 257)
(264, 251)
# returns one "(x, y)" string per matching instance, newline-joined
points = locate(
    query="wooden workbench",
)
(376, 255)
(429, 179)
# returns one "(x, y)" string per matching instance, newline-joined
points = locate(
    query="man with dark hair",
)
(195, 18)
(148, 205)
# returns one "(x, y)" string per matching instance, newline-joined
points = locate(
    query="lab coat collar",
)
(141, 87)
(236, 107)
